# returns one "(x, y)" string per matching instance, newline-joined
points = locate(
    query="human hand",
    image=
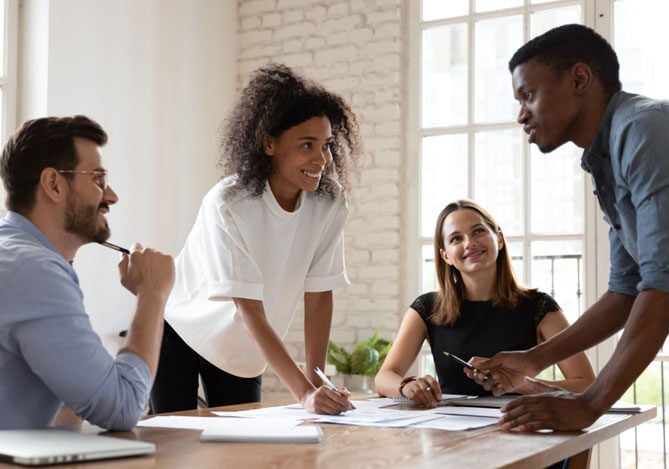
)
(424, 391)
(538, 386)
(504, 372)
(560, 410)
(324, 400)
(147, 271)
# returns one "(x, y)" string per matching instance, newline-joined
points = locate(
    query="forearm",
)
(318, 309)
(572, 384)
(387, 382)
(146, 330)
(644, 334)
(600, 321)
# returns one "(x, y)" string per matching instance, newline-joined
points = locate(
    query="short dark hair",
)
(275, 99)
(47, 142)
(562, 47)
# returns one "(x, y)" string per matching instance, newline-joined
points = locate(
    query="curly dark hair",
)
(562, 47)
(274, 100)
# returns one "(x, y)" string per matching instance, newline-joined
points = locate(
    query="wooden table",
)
(347, 447)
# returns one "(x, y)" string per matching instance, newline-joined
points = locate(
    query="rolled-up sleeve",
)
(328, 269)
(643, 205)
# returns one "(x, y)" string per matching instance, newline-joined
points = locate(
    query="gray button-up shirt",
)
(629, 164)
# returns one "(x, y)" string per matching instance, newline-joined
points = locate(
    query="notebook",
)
(300, 434)
(36, 447)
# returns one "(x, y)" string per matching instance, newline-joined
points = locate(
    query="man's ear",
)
(268, 145)
(582, 77)
(52, 185)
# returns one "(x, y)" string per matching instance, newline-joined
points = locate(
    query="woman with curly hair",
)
(479, 310)
(268, 232)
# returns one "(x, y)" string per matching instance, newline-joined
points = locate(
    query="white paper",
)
(204, 423)
(471, 411)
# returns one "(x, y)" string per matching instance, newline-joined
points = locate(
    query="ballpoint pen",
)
(115, 247)
(325, 380)
(329, 383)
(465, 364)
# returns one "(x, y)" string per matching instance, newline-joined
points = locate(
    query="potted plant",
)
(360, 366)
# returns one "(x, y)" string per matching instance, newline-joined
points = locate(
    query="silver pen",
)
(325, 380)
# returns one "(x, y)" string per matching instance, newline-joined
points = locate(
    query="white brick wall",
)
(354, 48)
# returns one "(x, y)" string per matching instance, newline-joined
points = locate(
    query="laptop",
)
(40, 446)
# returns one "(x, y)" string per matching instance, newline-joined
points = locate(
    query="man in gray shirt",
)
(57, 197)
(567, 84)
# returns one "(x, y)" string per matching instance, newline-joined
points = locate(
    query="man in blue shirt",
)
(57, 196)
(567, 84)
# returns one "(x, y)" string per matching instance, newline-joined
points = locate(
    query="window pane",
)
(496, 41)
(437, 9)
(498, 176)
(516, 252)
(2, 37)
(444, 76)
(489, 5)
(557, 269)
(443, 176)
(543, 20)
(429, 278)
(641, 37)
(556, 185)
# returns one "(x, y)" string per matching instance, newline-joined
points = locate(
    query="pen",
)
(326, 381)
(464, 363)
(330, 385)
(115, 247)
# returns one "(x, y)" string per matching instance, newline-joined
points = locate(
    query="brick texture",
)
(353, 47)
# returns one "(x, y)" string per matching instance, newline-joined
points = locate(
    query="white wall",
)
(354, 47)
(159, 75)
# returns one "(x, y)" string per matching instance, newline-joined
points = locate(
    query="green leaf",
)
(338, 357)
(364, 360)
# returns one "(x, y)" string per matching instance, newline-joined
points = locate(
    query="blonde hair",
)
(507, 292)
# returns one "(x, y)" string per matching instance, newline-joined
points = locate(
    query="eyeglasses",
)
(99, 176)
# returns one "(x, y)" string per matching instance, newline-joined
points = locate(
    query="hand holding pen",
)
(472, 372)
(341, 392)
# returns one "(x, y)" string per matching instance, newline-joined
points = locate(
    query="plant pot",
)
(359, 383)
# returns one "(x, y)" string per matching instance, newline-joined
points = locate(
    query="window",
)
(8, 21)
(472, 147)
(640, 36)
(468, 145)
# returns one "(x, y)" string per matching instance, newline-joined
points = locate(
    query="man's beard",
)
(82, 221)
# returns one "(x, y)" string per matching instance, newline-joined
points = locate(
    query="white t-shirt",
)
(243, 246)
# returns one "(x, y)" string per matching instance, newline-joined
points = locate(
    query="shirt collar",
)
(22, 223)
(600, 145)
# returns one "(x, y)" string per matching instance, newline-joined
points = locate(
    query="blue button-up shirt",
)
(49, 353)
(629, 164)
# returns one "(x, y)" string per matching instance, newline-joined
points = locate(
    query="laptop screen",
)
(51, 446)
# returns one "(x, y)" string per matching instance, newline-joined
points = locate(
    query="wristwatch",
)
(404, 382)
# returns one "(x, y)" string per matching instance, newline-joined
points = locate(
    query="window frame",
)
(8, 81)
